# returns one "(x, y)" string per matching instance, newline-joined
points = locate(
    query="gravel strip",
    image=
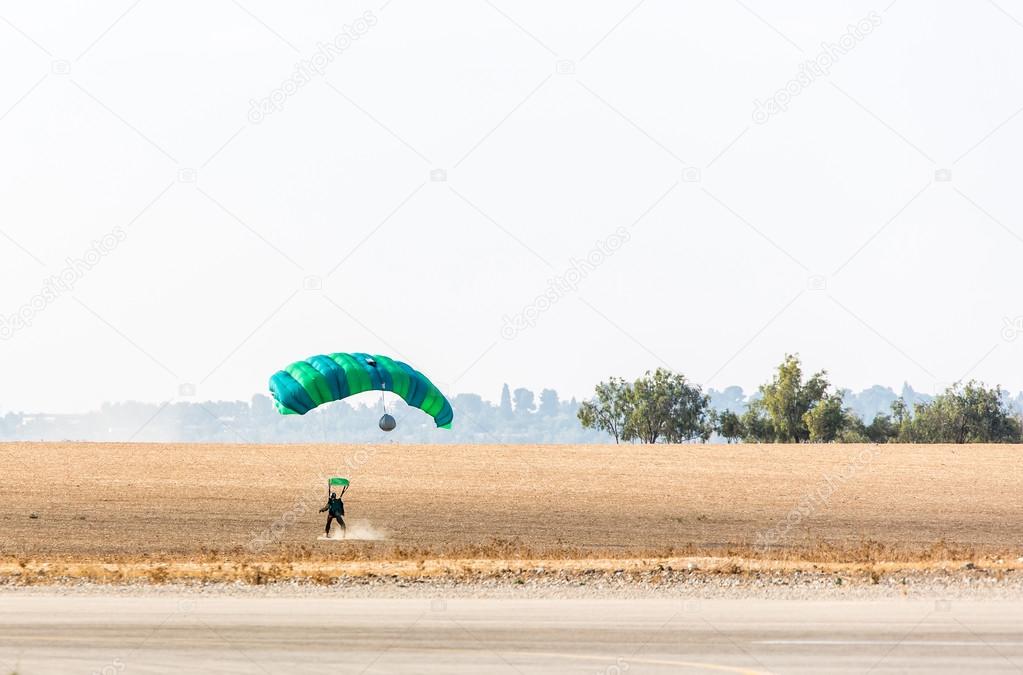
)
(965, 584)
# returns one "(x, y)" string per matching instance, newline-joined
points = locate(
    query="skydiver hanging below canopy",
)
(322, 379)
(305, 385)
(335, 508)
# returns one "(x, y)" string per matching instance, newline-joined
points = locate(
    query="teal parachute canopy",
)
(321, 379)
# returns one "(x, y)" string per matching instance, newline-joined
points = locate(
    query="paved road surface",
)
(217, 634)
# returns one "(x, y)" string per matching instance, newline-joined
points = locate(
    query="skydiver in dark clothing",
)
(335, 509)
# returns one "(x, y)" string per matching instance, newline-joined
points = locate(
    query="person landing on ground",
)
(335, 509)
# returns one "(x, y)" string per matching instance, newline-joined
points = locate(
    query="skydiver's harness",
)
(335, 507)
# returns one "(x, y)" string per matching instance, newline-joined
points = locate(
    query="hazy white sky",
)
(637, 154)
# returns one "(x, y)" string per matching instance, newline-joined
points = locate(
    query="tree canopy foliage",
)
(660, 406)
(664, 407)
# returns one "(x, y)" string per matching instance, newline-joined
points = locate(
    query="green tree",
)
(755, 424)
(969, 413)
(666, 406)
(826, 419)
(730, 426)
(779, 413)
(883, 428)
(900, 412)
(610, 408)
(853, 430)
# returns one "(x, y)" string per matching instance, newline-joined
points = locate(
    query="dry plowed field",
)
(175, 502)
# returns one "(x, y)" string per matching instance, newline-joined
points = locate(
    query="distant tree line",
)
(520, 416)
(659, 407)
(664, 407)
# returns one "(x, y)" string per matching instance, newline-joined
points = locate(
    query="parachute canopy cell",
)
(321, 379)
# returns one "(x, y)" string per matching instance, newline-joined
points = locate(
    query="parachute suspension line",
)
(386, 421)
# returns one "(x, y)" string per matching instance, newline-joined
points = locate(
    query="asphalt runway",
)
(160, 633)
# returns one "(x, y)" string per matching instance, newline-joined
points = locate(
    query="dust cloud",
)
(358, 530)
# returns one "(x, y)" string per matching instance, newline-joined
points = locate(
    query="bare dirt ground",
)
(166, 511)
